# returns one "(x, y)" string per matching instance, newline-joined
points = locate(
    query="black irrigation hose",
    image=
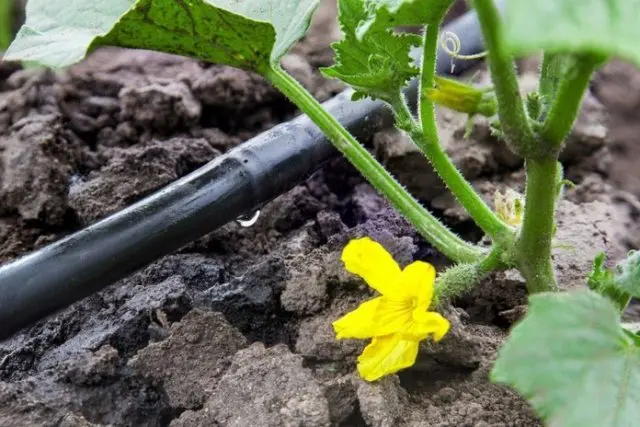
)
(237, 182)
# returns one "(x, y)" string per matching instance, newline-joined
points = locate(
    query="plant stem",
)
(533, 256)
(426, 108)
(566, 105)
(428, 142)
(551, 73)
(425, 136)
(6, 24)
(482, 214)
(430, 227)
(511, 112)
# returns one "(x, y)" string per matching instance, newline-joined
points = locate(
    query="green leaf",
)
(571, 359)
(377, 64)
(58, 33)
(393, 13)
(598, 27)
(603, 281)
(627, 275)
(373, 59)
(250, 34)
(620, 284)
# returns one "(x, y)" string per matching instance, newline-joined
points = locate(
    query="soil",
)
(234, 329)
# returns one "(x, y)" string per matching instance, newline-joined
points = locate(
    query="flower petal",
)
(417, 280)
(386, 355)
(425, 324)
(358, 323)
(372, 262)
(392, 316)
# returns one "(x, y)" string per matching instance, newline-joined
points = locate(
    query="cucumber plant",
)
(571, 356)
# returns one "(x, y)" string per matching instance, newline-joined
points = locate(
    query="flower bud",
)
(462, 97)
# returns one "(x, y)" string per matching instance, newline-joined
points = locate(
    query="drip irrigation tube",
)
(237, 182)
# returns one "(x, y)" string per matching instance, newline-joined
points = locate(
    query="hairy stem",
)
(482, 214)
(426, 108)
(551, 73)
(461, 278)
(511, 112)
(533, 256)
(566, 105)
(430, 227)
(425, 136)
(428, 142)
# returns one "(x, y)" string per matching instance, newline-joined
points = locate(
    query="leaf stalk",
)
(566, 105)
(429, 226)
(514, 121)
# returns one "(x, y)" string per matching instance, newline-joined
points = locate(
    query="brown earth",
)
(234, 330)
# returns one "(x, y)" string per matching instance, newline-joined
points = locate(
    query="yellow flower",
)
(509, 206)
(398, 319)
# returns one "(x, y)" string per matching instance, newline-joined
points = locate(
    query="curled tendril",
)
(451, 45)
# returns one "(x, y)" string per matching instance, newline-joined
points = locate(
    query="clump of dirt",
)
(266, 384)
(616, 86)
(38, 160)
(128, 175)
(188, 363)
(236, 327)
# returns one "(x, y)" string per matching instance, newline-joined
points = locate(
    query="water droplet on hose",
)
(247, 220)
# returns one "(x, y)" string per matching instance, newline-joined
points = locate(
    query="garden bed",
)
(235, 329)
